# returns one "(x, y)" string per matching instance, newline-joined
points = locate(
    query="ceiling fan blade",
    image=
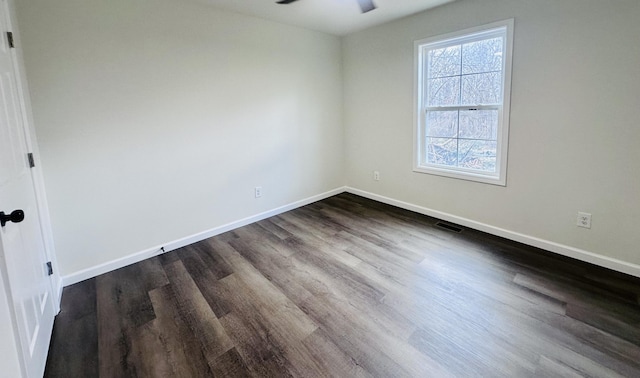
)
(366, 5)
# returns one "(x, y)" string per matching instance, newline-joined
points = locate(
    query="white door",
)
(23, 256)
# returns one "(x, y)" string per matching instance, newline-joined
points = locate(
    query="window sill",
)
(460, 175)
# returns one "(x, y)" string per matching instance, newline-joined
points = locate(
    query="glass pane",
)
(444, 62)
(442, 151)
(442, 124)
(482, 56)
(477, 154)
(445, 91)
(482, 89)
(479, 124)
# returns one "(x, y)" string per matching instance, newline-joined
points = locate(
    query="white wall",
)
(156, 119)
(574, 121)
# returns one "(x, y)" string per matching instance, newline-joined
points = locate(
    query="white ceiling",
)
(339, 17)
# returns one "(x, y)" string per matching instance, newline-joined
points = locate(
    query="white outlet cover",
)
(584, 220)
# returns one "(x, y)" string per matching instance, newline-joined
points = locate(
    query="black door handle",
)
(16, 216)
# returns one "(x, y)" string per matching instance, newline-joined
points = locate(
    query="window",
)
(463, 83)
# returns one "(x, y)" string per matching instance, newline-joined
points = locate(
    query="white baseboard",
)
(565, 250)
(172, 245)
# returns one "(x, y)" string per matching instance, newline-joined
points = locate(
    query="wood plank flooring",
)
(348, 287)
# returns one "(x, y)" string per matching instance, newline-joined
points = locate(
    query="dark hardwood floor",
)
(349, 287)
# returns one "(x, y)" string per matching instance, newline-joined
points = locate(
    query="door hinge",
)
(10, 39)
(49, 268)
(32, 162)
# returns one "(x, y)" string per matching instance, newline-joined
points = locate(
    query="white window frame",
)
(420, 55)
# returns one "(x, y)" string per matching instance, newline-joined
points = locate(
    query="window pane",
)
(445, 91)
(482, 89)
(462, 110)
(482, 56)
(442, 124)
(479, 124)
(442, 151)
(477, 154)
(444, 62)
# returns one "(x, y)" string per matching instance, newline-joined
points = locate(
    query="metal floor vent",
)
(449, 227)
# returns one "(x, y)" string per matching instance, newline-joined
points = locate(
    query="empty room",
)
(320, 188)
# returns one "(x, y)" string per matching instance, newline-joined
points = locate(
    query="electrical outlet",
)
(376, 175)
(258, 191)
(584, 220)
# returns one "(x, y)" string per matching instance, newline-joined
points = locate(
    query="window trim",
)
(420, 88)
